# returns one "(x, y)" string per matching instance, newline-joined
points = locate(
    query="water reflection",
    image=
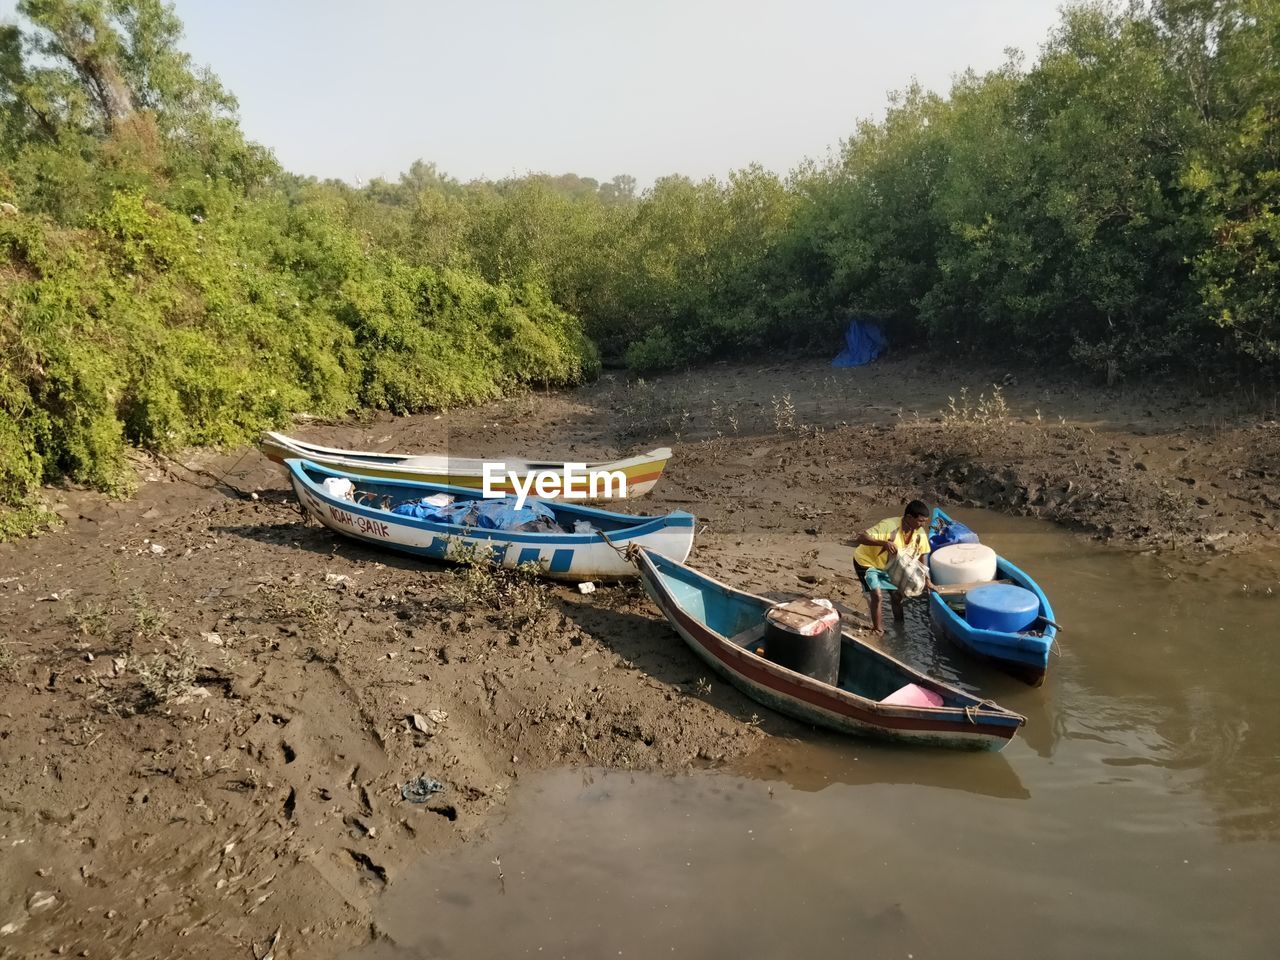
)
(1167, 673)
(702, 865)
(712, 865)
(820, 761)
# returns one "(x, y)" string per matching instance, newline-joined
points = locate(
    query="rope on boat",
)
(976, 710)
(629, 553)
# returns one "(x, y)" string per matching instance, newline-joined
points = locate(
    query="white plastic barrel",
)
(962, 563)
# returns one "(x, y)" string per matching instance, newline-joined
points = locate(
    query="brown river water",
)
(1136, 815)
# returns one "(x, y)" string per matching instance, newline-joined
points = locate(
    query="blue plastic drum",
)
(1001, 607)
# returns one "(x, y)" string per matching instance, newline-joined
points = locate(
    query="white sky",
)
(495, 88)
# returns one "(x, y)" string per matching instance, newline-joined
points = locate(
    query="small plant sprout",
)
(167, 675)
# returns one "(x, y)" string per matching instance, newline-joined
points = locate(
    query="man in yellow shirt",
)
(877, 546)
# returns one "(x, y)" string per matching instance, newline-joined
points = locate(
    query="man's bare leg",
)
(873, 604)
(895, 598)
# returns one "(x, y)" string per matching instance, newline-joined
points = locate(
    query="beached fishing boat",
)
(726, 628)
(582, 542)
(641, 472)
(1024, 651)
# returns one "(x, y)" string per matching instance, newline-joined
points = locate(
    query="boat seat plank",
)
(749, 636)
(960, 589)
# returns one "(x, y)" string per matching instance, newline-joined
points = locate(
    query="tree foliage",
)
(1111, 207)
(1114, 206)
(162, 283)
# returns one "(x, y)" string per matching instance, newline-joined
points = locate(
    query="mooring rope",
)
(629, 553)
(976, 710)
(218, 480)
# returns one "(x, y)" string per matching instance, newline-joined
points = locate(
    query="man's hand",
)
(890, 546)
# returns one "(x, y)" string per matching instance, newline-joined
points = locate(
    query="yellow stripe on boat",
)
(642, 472)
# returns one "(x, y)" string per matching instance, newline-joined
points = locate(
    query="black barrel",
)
(804, 636)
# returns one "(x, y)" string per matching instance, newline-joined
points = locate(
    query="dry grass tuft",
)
(518, 596)
(148, 621)
(167, 675)
(8, 661)
(646, 411)
(784, 414)
(966, 427)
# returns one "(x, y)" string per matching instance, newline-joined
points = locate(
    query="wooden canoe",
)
(642, 472)
(568, 556)
(723, 626)
(1025, 655)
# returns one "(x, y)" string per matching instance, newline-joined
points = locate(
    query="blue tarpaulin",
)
(863, 342)
(485, 514)
(503, 514)
(953, 532)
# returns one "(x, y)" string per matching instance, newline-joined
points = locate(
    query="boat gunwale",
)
(470, 466)
(996, 719)
(634, 526)
(1003, 639)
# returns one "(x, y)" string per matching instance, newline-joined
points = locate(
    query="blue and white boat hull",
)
(567, 556)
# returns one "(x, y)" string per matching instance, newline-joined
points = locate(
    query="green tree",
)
(1227, 52)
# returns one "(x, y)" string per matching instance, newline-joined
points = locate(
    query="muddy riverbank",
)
(210, 708)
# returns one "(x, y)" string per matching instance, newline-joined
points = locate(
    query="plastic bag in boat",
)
(431, 509)
(483, 514)
(953, 532)
(504, 515)
(907, 573)
(340, 488)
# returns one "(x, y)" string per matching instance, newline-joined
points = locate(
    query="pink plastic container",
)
(913, 695)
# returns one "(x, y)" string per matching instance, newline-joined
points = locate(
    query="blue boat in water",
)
(573, 542)
(1023, 653)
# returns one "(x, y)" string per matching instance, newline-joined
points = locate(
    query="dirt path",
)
(210, 708)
